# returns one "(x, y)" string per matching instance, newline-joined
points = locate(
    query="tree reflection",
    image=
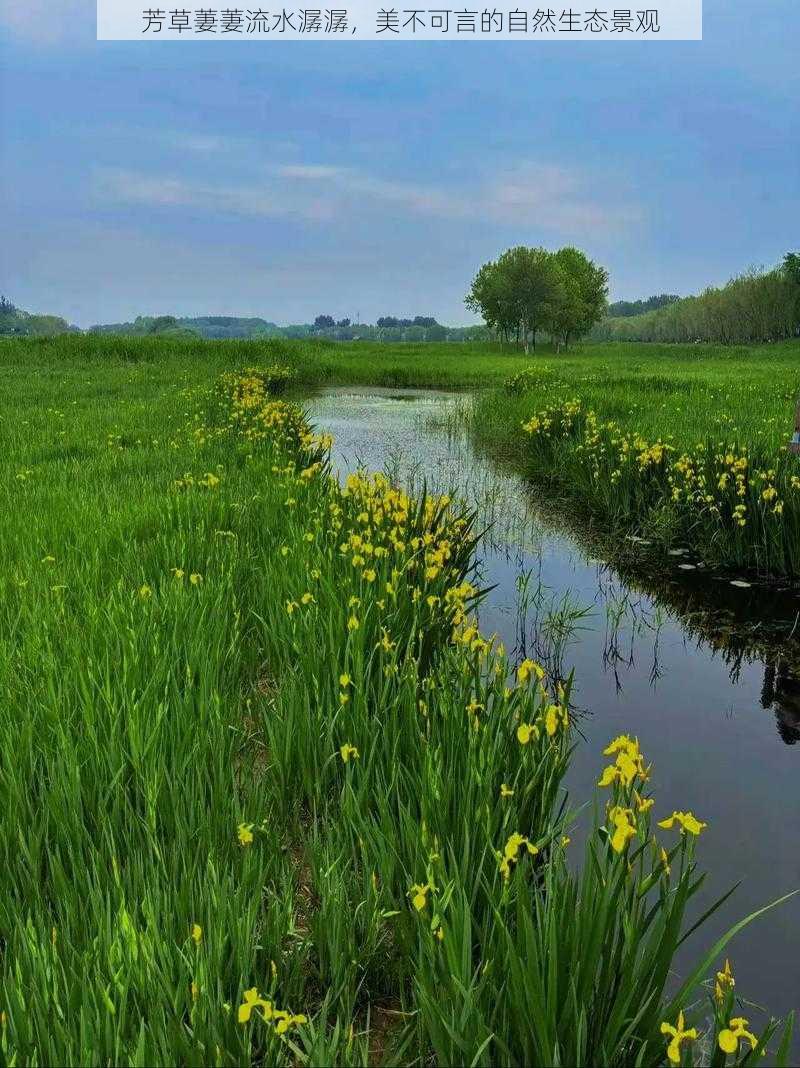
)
(781, 693)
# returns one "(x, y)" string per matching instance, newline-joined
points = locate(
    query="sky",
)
(359, 179)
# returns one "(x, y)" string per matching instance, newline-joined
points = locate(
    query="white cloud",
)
(536, 195)
(557, 198)
(132, 187)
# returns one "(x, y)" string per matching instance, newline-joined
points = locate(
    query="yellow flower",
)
(551, 717)
(353, 623)
(347, 751)
(510, 854)
(724, 982)
(686, 820)
(505, 791)
(369, 574)
(621, 743)
(609, 776)
(643, 804)
(197, 933)
(344, 680)
(195, 578)
(665, 861)
(678, 1034)
(528, 668)
(628, 764)
(419, 895)
(145, 592)
(307, 598)
(624, 827)
(730, 1036)
(526, 731)
(285, 1020)
(178, 572)
(253, 1000)
(245, 834)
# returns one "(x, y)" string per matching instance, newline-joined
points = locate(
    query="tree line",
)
(757, 306)
(387, 328)
(528, 291)
(14, 322)
(626, 308)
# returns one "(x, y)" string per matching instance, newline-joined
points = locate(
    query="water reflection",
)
(781, 693)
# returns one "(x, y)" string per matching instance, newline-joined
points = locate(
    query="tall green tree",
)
(530, 289)
(516, 292)
(791, 266)
(582, 295)
(490, 296)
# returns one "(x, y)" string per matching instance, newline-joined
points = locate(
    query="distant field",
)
(707, 402)
(659, 389)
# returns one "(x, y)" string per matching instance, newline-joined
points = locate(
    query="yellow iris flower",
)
(730, 1036)
(624, 827)
(528, 668)
(678, 1034)
(724, 981)
(686, 822)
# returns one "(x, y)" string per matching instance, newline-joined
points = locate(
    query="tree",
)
(624, 309)
(791, 271)
(529, 289)
(582, 295)
(324, 322)
(343, 322)
(791, 266)
(11, 321)
(162, 323)
(516, 292)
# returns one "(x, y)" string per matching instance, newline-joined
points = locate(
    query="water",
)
(718, 716)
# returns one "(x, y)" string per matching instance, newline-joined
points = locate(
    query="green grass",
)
(183, 588)
(656, 389)
(704, 401)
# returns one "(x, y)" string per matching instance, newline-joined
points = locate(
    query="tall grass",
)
(695, 458)
(268, 796)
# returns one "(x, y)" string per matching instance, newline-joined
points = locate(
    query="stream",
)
(718, 717)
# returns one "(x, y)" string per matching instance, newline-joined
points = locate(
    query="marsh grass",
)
(258, 800)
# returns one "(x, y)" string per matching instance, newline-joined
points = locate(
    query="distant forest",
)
(623, 309)
(387, 328)
(759, 305)
(17, 323)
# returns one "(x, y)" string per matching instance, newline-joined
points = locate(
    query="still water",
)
(719, 721)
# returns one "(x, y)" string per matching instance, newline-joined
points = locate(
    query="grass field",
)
(268, 796)
(681, 447)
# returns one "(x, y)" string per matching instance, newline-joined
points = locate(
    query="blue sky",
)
(285, 180)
